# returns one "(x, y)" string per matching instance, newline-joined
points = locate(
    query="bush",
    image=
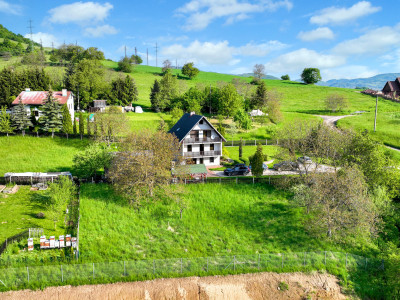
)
(40, 215)
(283, 286)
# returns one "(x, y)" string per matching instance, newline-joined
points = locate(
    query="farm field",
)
(387, 126)
(18, 213)
(32, 154)
(245, 220)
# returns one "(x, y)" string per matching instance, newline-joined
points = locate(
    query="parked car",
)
(304, 160)
(286, 166)
(238, 169)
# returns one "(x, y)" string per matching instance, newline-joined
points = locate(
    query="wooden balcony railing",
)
(202, 153)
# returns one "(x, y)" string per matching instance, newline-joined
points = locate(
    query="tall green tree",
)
(260, 97)
(124, 91)
(92, 159)
(81, 125)
(155, 96)
(89, 132)
(311, 75)
(75, 127)
(20, 119)
(125, 65)
(5, 122)
(230, 100)
(51, 119)
(189, 70)
(85, 79)
(192, 100)
(257, 161)
(243, 119)
(168, 90)
(66, 120)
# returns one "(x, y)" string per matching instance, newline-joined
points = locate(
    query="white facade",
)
(202, 144)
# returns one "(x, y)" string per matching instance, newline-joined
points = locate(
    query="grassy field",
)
(218, 220)
(32, 154)
(18, 213)
(387, 126)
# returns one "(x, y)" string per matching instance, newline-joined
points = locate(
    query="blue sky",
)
(344, 39)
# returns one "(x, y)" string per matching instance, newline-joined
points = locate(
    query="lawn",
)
(250, 150)
(18, 213)
(146, 120)
(218, 220)
(387, 126)
(32, 154)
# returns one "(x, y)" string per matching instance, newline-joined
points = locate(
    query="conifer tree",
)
(81, 125)
(88, 125)
(155, 96)
(75, 127)
(257, 161)
(52, 114)
(20, 119)
(5, 122)
(66, 120)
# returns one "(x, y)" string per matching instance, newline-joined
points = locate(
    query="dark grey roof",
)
(185, 125)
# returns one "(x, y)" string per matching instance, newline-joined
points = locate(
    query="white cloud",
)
(316, 34)
(342, 15)
(100, 31)
(376, 41)
(80, 12)
(45, 38)
(200, 13)
(10, 8)
(296, 61)
(206, 53)
(260, 50)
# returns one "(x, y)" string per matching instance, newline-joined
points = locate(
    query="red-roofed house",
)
(34, 99)
(392, 88)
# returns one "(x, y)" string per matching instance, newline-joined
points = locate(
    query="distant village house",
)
(392, 88)
(33, 100)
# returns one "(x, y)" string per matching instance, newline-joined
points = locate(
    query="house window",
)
(189, 148)
(211, 159)
(201, 121)
(201, 160)
(211, 147)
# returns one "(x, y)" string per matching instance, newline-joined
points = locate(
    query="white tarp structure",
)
(138, 109)
(256, 113)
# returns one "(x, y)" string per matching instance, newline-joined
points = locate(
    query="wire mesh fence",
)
(47, 275)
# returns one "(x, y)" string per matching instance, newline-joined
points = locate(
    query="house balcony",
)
(202, 140)
(201, 154)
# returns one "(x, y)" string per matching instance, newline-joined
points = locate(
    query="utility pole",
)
(176, 64)
(147, 51)
(125, 51)
(30, 28)
(156, 55)
(135, 51)
(376, 113)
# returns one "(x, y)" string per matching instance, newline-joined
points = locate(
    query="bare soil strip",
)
(231, 287)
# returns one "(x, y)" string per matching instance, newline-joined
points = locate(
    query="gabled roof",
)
(186, 124)
(37, 97)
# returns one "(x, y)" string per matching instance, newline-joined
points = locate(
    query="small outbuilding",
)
(138, 110)
(256, 113)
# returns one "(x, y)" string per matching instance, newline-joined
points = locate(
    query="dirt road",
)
(245, 286)
(332, 120)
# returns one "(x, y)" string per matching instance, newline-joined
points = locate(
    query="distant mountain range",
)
(376, 82)
(252, 74)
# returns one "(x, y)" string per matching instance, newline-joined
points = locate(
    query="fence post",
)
(232, 143)
(325, 258)
(27, 270)
(255, 143)
(62, 275)
(234, 263)
(93, 270)
(124, 269)
(266, 142)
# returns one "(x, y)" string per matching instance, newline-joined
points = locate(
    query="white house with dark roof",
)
(34, 99)
(200, 141)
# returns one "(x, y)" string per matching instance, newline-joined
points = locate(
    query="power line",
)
(156, 55)
(30, 28)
